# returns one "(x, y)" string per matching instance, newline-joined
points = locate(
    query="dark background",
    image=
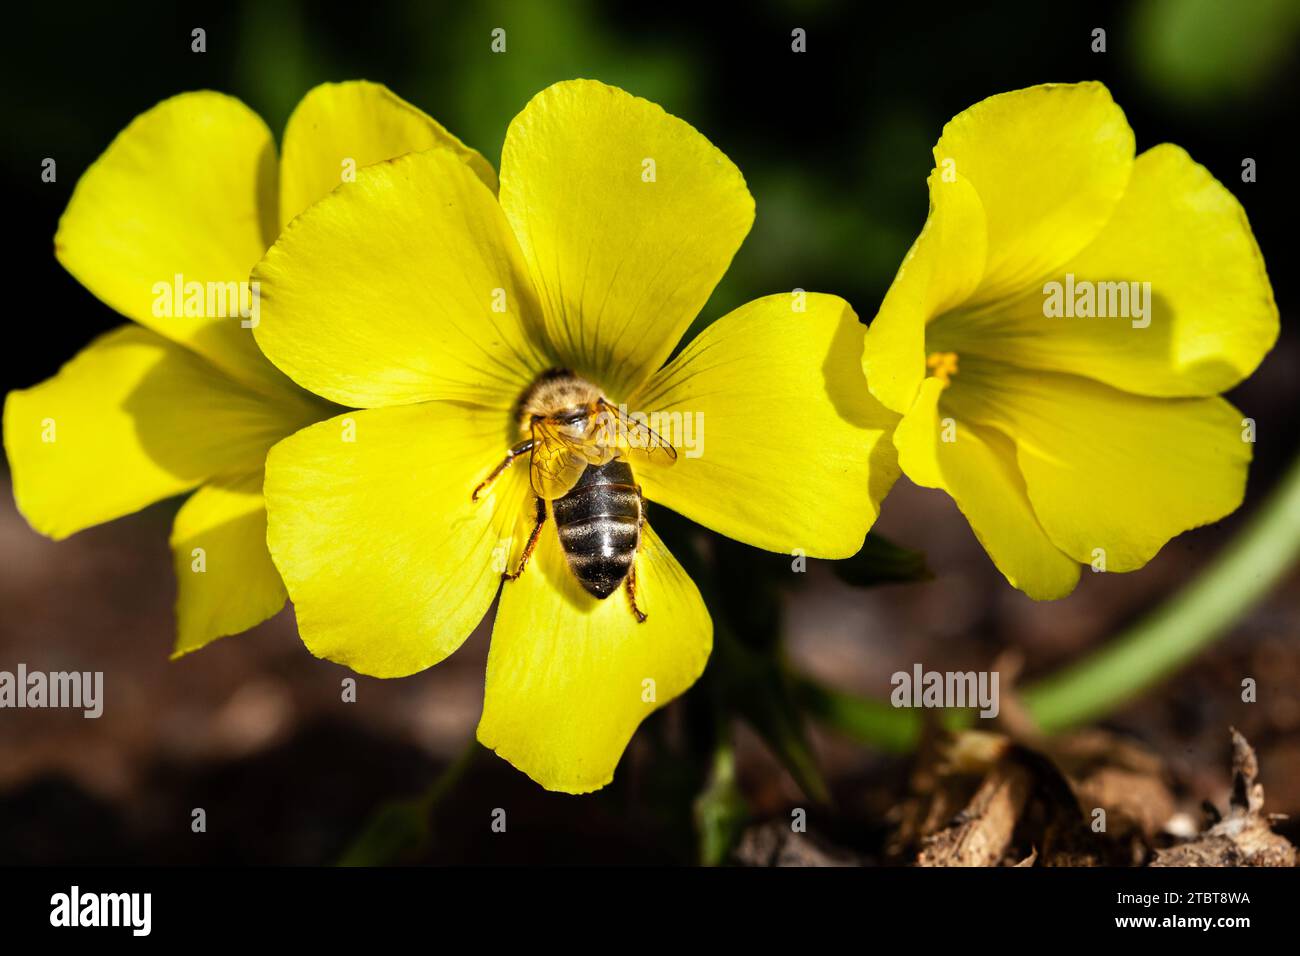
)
(835, 145)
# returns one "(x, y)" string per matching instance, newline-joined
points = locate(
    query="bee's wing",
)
(558, 461)
(631, 437)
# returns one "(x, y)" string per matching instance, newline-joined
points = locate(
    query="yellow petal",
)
(627, 217)
(1049, 163)
(130, 420)
(570, 678)
(977, 467)
(942, 268)
(1109, 470)
(225, 580)
(779, 444)
(386, 291)
(188, 190)
(338, 128)
(389, 563)
(1210, 316)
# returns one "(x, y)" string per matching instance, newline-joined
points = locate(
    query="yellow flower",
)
(165, 227)
(1078, 311)
(420, 297)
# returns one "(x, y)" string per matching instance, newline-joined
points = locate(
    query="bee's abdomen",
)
(599, 524)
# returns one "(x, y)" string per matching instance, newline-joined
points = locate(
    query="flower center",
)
(942, 365)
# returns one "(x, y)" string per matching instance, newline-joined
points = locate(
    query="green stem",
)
(403, 828)
(1247, 569)
(720, 809)
(450, 778)
(1159, 644)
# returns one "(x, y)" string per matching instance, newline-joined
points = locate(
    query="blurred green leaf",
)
(720, 810)
(476, 92)
(278, 62)
(756, 685)
(871, 721)
(401, 829)
(742, 587)
(1205, 52)
(395, 831)
(882, 562)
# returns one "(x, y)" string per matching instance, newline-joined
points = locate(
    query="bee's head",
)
(557, 394)
(576, 415)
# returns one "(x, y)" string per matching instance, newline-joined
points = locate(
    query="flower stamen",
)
(942, 365)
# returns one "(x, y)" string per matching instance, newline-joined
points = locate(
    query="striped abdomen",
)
(599, 523)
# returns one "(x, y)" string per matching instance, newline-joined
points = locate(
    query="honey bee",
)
(579, 446)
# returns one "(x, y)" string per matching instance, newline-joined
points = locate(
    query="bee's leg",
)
(629, 582)
(629, 585)
(532, 542)
(523, 448)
